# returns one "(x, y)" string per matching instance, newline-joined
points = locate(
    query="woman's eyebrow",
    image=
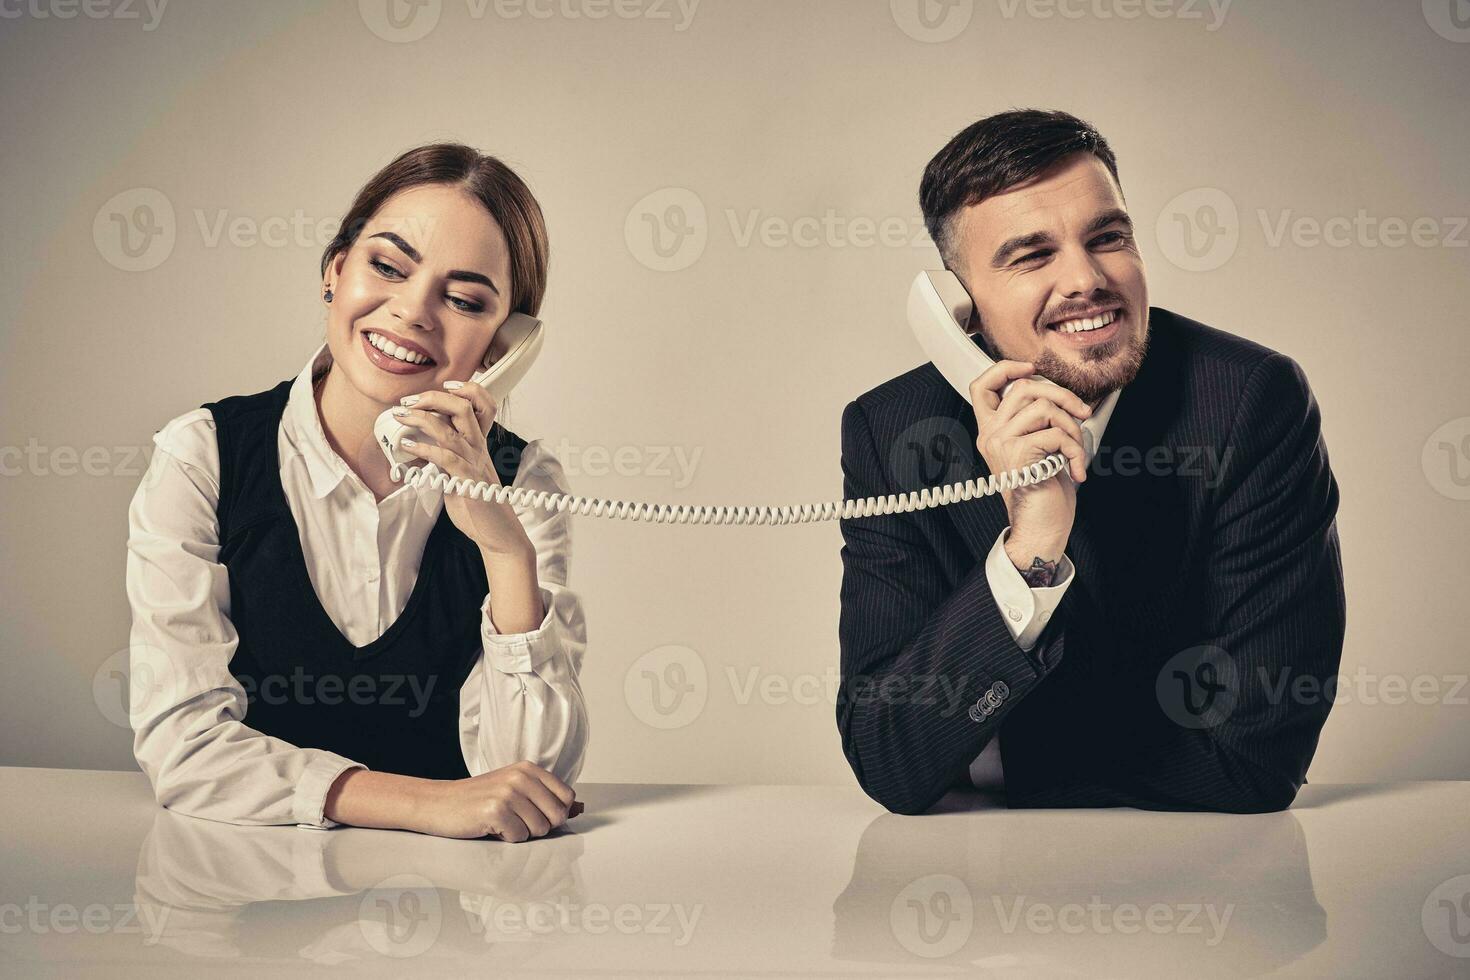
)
(459, 275)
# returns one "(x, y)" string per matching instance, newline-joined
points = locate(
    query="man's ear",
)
(972, 328)
(975, 329)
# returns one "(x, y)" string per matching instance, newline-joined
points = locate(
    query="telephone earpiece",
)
(513, 350)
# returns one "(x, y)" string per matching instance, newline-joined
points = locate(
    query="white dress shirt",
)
(521, 701)
(1026, 610)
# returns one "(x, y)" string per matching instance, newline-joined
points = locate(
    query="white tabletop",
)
(1369, 880)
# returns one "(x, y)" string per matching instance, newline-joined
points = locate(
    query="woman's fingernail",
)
(400, 411)
(452, 385)
(408, 399)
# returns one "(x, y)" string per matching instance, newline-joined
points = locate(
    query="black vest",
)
(392, 705)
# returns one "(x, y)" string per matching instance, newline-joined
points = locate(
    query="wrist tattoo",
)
(1041, 574)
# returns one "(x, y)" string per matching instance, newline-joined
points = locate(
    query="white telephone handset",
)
(939, 315)
(513, 350)
(938, 306)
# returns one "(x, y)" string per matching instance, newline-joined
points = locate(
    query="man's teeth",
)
(393, 350)
(1086, 323)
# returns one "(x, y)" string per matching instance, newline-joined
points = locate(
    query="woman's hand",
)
(457, 419)
(514, 803)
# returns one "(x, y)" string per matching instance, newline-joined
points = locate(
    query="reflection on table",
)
(1069, 894)
(96, 880)
(212, 890)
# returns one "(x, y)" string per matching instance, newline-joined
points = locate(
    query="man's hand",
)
(514, 803)
(1033, 420)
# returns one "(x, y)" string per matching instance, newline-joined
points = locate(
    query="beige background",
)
(248, 115)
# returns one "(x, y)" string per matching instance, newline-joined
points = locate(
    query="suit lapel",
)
(980, 520)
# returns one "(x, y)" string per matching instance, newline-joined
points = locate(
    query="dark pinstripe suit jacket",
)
(1183, 669)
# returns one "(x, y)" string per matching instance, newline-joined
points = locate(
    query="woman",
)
(314, 644)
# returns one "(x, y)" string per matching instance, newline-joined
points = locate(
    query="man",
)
(1153, 630)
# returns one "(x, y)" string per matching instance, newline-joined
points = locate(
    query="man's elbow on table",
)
(911, 806)
(1270, 800)
(896, 796)
(1261, 793)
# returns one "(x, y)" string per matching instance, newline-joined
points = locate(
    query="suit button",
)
(975, 713)
(1001, 689)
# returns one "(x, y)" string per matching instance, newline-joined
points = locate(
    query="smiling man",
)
(1144, 629)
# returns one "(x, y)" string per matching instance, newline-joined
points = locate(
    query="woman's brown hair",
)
(502, 193)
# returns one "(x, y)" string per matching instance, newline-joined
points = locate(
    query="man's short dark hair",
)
(997, 153)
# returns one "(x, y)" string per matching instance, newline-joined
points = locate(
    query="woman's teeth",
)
(393, 350)
(1086, 323)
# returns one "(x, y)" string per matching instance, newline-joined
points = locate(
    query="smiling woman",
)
(322, 642)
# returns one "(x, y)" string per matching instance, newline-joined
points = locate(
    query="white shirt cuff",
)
(1026, 611)
(518, 653)
(310, 799)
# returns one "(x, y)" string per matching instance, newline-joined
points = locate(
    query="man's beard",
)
(1105, 367)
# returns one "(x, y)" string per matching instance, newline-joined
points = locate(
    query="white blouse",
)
(521, 701)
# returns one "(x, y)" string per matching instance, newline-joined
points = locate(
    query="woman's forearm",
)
(385, 800)
(515, 593)
(364, 798)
